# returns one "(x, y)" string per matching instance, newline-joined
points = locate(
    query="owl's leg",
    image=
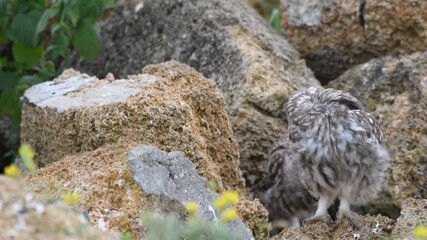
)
(295, 222)
(344, 211)
(321, 212)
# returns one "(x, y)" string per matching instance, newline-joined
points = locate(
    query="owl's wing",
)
(369, 123)
(280, 156)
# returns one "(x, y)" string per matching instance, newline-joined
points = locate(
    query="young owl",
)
(337, 152)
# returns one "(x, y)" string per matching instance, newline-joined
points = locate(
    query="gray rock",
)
(174, 178)
(255, 68)
(81, 90)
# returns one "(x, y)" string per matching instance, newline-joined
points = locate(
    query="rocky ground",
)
(187, 93)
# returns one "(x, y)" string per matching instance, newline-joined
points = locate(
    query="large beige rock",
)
(24, 216)
(227, 41)
(170, 106)
(394, 89)
(334, 35)
(120, 183)
(413, 214)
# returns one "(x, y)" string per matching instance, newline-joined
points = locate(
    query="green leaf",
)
(30, 80)
(3, 38)
(10, 105)
(28, 55)
(23, 28)
(73, 13)
(44, 19)
(109, 3)
(86, 40)
(275, 20)
(8, 80)
(55, 9)
(3, 7)
(62, 42)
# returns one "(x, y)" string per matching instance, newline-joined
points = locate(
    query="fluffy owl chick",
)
(287, 200)
(340, 148)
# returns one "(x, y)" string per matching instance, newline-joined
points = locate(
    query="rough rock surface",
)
(367, 228)
(225, 40)
(23, 216)
(110, 196)
(333, 35)
(414, 213)
(171, 106)
(394, 89)
(174, 108)
(173, 177)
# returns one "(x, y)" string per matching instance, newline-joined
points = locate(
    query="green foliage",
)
(126, 236)
(169, 227)
(36, 38)
(275, 20)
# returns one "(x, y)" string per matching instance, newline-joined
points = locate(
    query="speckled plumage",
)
(287, 201)
(334, 151)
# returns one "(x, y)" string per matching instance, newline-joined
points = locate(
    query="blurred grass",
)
(264, 7)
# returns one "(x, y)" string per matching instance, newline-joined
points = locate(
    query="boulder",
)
(227, 41)
(24, 216)
(118, 183)
(334, 35)
(394, 89)
(170, 106)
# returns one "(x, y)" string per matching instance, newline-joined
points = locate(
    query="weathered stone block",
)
(334, 35)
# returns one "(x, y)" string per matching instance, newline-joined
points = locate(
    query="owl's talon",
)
(351, 216)
(321, 218)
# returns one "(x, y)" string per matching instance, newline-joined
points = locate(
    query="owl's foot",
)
(351, 216)
(320, 218)
(345, 212)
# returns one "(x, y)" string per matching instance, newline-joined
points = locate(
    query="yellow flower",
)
(12, 171)
(191, 207)
(229, 214)
(71, 198)
(420, 232)
(220, 202)
(27, 155)
(231, 196)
